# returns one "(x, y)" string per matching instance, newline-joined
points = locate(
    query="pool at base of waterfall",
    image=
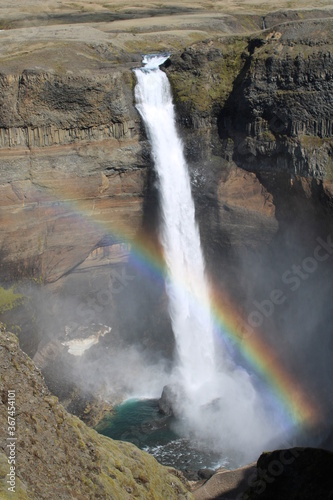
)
(139, 422)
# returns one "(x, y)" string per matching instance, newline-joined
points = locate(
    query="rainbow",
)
(229, 323)
(147, 255)
(302, 410)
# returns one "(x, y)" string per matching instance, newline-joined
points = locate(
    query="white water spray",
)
(236, 418)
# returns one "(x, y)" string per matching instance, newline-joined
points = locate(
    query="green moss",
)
(267, 135)
(20, 490)
(312, 141)
(201, 89)
(9, 299)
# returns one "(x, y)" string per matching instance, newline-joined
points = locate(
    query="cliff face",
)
(264, 104)
(267, 104)
(285, 100)
(57, 456)
(74, 164)
(72, 168)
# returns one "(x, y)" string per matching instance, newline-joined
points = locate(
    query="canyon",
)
(252, 89)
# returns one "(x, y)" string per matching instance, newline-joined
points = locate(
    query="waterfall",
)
(186, 283)
(217, 401)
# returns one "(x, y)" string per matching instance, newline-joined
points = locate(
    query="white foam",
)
(154, 61)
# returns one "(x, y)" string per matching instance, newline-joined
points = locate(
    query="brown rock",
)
(58, 202)
(247, 211)
(225, 484)
(243, 190)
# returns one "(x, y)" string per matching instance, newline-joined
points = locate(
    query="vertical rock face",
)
(268, 104)
(287, 111)
(264, 103)
(72, 169)
(246, 209)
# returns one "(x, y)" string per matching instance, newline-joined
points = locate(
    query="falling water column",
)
(186, 283)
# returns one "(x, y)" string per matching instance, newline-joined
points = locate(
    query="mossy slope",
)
(58, 456)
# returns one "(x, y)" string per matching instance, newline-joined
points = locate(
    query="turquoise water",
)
(139, 422)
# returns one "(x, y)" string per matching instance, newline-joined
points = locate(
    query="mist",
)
(297, 265)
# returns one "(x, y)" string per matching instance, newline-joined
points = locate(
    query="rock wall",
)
(262, 104)
(72, 172)
(267, 104)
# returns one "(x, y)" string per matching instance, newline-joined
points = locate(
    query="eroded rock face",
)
(246, 209)
(73, 170)
(266, 103)
(75, 161)
(285, 100)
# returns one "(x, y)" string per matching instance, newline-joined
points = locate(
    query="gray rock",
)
(169, 402)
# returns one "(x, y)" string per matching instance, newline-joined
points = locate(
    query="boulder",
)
(205, 473)
(168, 403)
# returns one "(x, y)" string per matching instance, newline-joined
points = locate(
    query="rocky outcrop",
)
(288, 474)
(285, 99)
(225, 484)
(298, 472)
(40, 108)
(57, 456)
(170, 400)
(266, 104)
